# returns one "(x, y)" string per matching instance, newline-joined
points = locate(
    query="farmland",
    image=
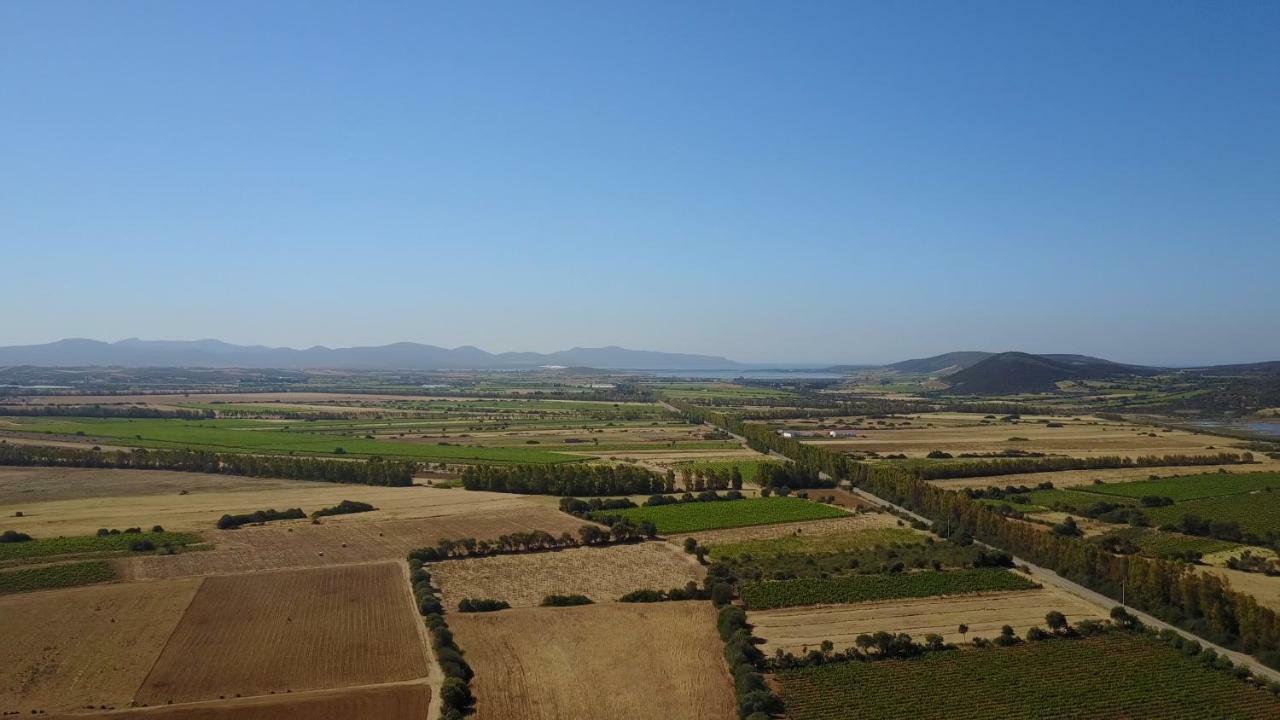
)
(818, 544)
(66, 649)
(797, 630)
(695, 516)
(602, 574)
(613, 660)
(384, 702)
(91, 544)
(290, 631)
(862, 588)
(494, 430)
(1143, 678)
(339, 541)
(45, 577)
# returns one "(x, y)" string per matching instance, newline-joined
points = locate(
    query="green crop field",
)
(818, 544)
(1258, 513)
(695, 516)
(1191, 487)
(1162, 544)
(259, 436)
(865, 588)
(46, 577)
(1111, 676)
(86, 544)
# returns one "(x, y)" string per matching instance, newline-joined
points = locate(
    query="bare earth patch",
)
(658, 661)
(796, 629)
(290, 631)
(62, 650)
(602, 574)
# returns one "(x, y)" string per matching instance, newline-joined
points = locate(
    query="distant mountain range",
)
(398, 356)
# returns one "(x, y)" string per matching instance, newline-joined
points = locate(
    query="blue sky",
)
(804, 181)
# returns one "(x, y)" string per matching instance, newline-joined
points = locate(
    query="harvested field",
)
(290, 631)
(660, 661)
(830, 526)
(695, 516)
(798, 629)
(121, 498)
(341, 540)
(382, 702)
(65, 649)
(602, 574)
(1073, 478)
(959, 433)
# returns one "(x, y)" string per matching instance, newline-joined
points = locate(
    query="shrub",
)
(13, 536)
(482, 605)
(565, 600)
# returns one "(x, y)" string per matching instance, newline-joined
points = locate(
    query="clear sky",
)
(771, 181)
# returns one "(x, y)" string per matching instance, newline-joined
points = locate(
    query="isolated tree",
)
(1055, 620)
(963, 630)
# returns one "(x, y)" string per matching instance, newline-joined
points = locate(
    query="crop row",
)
(695, 516)
(1130, 676)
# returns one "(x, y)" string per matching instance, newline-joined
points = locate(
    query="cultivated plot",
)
(342, 540)
(384, 702)
(290, 631)
(67, 649)
(660, 661)
(1117, 676)
(602, 574)
(797, 630)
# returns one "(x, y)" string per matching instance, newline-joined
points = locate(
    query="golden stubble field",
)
(602, 574)
(798, 629)
(77, 501)
(659, 661)
(965, 433)
(288, 631)
(340, 540)
(65, 649)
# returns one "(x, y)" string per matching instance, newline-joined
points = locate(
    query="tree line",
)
(99, 411)
(1171, 590)
(231, 522)
(533, 541)
(374, 471)
(567, 479)
(455, 691)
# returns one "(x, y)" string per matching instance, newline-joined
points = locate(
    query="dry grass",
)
(849, 523)
(798, 629)
(65, 649)
(1266, 590)
(380, 702)
(1074, 478)
(958, 433)
(79, 502)
(340, 540)
(602, 574)
(660, 661)
(288, 631)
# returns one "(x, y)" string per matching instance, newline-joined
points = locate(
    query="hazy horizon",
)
(806, 184)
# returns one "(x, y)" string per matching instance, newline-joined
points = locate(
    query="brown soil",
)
(379, 702)
(64, 649)
(602, 574)
(290, 631)
(660, 661)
